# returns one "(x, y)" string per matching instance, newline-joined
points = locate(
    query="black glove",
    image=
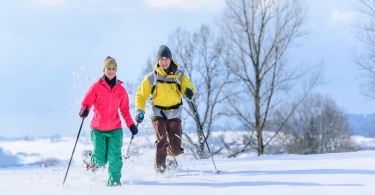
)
(84, 113)
(139, 117)
(134, 129)
(189, 93)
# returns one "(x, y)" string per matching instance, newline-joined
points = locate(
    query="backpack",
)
(176, 81)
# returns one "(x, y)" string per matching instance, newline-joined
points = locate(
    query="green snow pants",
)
(107, 148)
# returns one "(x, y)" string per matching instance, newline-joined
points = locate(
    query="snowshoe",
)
(172, 164)
(160, 170)
(86, 155)
(91, 167)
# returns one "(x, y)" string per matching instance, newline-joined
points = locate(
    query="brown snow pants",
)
(168, 139)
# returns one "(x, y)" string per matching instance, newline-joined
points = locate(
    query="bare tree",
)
(260, 32)
(317, 126)
(366, 35)
(200, 55)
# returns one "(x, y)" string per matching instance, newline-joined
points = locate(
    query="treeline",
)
(243, 76)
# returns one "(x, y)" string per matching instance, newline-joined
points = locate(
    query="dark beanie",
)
(164, 51)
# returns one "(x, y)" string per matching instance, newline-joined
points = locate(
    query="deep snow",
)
(341, 173)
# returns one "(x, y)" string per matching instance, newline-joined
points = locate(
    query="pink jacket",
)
(106, 103)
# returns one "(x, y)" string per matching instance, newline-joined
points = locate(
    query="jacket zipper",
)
(109, 111)
(110, 106)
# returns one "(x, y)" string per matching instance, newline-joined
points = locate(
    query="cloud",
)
(119, 6)
(51, 3)
(338, 17)
(186, 5)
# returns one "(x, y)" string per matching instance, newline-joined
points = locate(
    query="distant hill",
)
(362, 124)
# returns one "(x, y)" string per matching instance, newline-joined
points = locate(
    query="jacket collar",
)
(102, 81)
(162, 72)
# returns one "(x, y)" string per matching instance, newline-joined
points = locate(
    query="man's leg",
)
(175, 137)
(159, 125)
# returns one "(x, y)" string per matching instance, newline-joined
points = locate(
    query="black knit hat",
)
(164, 51)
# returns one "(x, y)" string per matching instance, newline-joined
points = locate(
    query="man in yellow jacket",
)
(166, 84)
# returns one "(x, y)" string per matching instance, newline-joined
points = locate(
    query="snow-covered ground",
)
(340, 173)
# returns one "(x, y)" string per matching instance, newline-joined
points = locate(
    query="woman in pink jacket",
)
(107, 96)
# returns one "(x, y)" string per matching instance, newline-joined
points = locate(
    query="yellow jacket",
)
(166, 92)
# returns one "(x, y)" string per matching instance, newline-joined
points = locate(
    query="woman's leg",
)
(99, 153)
(114, 156)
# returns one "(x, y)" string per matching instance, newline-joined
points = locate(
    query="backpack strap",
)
(178, 81)
(154, 82)
(175, 80)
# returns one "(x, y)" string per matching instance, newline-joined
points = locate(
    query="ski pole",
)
(71, 157)
(127, 156)
(200, 126)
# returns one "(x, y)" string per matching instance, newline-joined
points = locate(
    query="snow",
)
(337, 173)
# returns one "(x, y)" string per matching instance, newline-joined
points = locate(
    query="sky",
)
(335, 173)
(52, 50)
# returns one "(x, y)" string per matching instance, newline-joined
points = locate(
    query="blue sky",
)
(49, 47)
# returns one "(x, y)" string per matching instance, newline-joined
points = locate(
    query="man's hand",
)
(139, 117)
(189, 93)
